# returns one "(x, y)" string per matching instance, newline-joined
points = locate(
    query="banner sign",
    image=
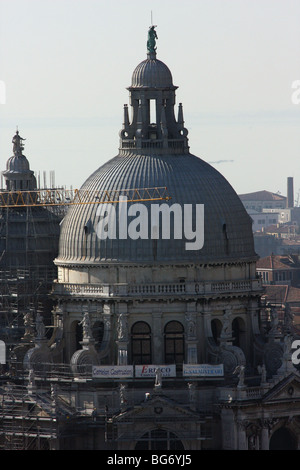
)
(149, 370)
(2, 352)
(203, 370)
(144, 371)
(118, 372)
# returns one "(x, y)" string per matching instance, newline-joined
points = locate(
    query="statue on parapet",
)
(86, 326)
(158, 378)
(40, 327)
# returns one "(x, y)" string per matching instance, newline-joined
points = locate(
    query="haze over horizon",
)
(66, 65)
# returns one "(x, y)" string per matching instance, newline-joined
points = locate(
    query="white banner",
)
(117, 372)
(2, 352)
(203, 370)
(149, 370)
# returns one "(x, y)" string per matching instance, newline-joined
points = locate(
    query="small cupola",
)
(152, 126)
(18, 176)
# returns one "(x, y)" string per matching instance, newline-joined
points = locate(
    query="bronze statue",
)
(18, 145)
(151, 39)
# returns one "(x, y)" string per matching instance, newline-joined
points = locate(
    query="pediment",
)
(284, 390)
(157, 405)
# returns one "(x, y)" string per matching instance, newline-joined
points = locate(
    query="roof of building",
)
(282, 293)
(278, 262)
(278, 228)
(17, 164)
(262, 196)
(189, 180)
(164, 161)
(152, 73)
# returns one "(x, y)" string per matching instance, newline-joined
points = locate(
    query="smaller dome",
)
(152, 73)
(17, 164)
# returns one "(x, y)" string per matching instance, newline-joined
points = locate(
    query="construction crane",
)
(68, 197)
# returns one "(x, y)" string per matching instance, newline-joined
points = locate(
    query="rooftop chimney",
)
(290, 192)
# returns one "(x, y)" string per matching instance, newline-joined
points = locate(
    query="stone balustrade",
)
(155, 289)
(227, 395)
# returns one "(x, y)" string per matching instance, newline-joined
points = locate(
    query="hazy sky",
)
(66, 65)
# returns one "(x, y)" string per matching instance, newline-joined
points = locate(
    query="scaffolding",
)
(22, 291)
(28, 244)
(25, 424)
(45, 412)
(28, 227)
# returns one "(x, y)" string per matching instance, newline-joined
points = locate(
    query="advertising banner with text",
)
(117, 372)
(150, 370)
(203, 370)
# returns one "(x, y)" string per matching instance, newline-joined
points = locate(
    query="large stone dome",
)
(189, 180)
(154, 152)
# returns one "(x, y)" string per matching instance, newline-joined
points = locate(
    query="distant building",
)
(261, 200)
(279, 269)
(282, 230)
(290, 246)
(280, 275)
(266, 244)
(289, 215)
(267, 208)
(261, 220)
(285, 300)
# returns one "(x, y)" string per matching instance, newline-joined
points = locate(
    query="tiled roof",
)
(276, 293)
(277, 262)
(262, 196)
(276, 229)
(282, 293)
(293, 294)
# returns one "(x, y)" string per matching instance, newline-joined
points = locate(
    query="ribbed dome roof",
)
(152, 73)
(190, 180)
(17, 164)
(147, 161)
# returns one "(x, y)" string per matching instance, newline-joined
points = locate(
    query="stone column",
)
(241, 436)
(229, 431)
(265, 438)
(158, 346)
(265, 426)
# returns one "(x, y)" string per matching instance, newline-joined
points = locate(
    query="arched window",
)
(141, 343)
(78, 334)
(75, 337)
(97, 332)
(174, 343)
(239, 333)
(283, 439)
(216, 328)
